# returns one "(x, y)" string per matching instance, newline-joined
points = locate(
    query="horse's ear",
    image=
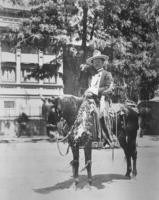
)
(54, 99)
(42, 98)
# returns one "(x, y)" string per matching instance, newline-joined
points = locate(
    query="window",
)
(9, 104)
(8, 74)
(24, 76)
(51, 80)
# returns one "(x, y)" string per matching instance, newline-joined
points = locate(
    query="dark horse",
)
(80, 116)
(125, 126)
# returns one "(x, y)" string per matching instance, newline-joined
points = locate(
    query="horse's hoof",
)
(134, 173)
(88, 186)
(90, 181)
(127, 175)
(76, 181)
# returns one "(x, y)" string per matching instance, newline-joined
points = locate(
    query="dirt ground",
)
(36, 171)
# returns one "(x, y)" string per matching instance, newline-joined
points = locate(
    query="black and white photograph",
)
(79, 99)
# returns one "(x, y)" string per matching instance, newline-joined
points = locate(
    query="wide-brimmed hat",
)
(96, 55)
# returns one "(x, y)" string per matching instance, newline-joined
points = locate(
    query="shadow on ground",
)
(155, 138)
(4, 141)
(98, 182)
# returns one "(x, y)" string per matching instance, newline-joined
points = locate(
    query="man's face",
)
(98, 63)
(105, 65)
(53, 109)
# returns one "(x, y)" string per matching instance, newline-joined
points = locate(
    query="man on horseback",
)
(84, 115)
(101, 85)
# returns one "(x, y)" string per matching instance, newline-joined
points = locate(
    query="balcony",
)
(15, 68)
(26, 58)
(8, 57)
(23, 89)
(8, 22)
(29, 58)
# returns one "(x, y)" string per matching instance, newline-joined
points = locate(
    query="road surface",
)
(36, 171)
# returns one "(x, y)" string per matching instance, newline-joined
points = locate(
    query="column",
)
(0, 62)
(40, 59)
(18, 65)
(60, 70)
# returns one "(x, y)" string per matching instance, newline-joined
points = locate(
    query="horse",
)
(65, 105)
(125, 126)
(80, 115)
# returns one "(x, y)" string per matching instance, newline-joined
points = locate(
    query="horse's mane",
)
(69, 107)
(68, 97)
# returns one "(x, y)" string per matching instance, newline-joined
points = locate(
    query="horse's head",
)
(61, 109)
(67, 107)
(49, 108)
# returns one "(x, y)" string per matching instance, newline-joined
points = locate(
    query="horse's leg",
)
(88, 159)
(75, 162)
(129, 169)
(134, 155)
(125, 145)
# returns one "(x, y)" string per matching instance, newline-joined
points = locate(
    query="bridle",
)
(60, 117)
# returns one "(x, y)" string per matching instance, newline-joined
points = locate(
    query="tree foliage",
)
(126, 30)
(134, 41)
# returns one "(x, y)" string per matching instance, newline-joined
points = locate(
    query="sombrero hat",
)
(96, 55)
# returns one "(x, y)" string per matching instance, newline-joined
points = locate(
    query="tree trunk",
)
(84, 34)
(93, 27)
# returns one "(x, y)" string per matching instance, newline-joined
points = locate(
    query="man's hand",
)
(107, 92)
(88, 94)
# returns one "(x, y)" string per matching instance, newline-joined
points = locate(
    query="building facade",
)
(19, 93)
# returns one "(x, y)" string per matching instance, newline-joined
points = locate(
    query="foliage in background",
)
(126, 30)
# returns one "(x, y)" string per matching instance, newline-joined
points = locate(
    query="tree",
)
(134, 33)
(126, 30)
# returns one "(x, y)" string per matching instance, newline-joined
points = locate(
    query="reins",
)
(58, 147)
(62, 140)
